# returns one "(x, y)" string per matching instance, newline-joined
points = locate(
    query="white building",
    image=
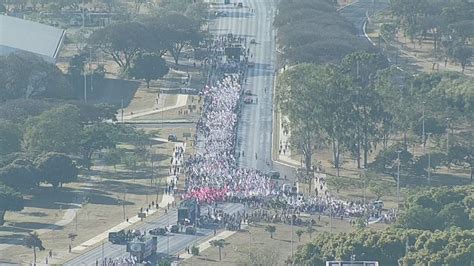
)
(24, 35)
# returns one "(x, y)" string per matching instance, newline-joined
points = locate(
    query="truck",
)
(142, 248)
(188, 212)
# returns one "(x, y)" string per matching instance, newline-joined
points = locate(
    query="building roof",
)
(37, 38)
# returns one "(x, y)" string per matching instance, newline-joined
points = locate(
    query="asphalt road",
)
(170, 244)
(356, 13)
(255, 127)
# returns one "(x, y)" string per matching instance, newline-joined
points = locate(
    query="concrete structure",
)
(23, 35)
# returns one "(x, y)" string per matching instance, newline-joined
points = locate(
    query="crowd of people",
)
(118, 261)
(213, 174)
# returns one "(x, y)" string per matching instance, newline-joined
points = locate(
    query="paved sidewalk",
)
(166, 200)
(284, 156)
(180, 102)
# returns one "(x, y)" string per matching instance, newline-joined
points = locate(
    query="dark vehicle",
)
(174, 229)
(273, 174)
(119, 237)
(248, 100)
(188, 212)
(158, 231)
(240, 4)
(253, 41)
(248, 92)
(190, 230)
(172, 137)
(142, 249)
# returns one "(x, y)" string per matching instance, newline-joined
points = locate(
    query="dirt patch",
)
(110, 196)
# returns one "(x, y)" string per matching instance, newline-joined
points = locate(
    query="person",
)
(255, 156)
(50, 253)
(70, 248)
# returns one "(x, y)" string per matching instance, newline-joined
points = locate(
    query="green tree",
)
(113, 157)
(122, 41)
(461, 54)
(131, 161)
(220, 244)
(20, 175)
(299, 233)
(337, 183)
(10, 200)
(296, 96)
(56, 169)
(33, 241)
(24, 75)
(10, 138)
(55, 130)
(378, 190)
(310, 230)
(95, 138)
(149, 67)
(180, 32)
(270, 229)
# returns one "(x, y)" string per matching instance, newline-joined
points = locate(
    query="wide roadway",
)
(170, 244)
(255, 126)
(254, 138)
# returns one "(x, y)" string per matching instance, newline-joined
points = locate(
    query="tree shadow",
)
(35, 214)
(48, 198)
(35, 225)
(113, 91)
(7, 228)
(13, 239)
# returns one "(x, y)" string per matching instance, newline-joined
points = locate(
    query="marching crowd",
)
(213, 174)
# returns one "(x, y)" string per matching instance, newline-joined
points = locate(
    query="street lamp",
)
(447, 135)
(423, 126)
(398, 179)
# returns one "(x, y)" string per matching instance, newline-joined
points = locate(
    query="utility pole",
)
(292, 235)
(83, 14)
(447, 135)
(122, 110)
(423, 140)
(398, 179)
(91, 69)
(429, 163)
(85, 86)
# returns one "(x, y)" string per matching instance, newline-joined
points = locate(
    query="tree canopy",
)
(57, 130)
(10, 200)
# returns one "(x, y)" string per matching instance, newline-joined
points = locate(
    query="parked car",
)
(253, 41)
(273, 174)
(158, 231)
(248, 100)
(240, 4)
(248, 92)
(172, 137)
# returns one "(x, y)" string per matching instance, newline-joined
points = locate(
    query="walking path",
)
(180, 102)
(166, 200)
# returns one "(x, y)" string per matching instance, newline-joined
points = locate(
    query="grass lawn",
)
(104, 189)
(255, 240)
